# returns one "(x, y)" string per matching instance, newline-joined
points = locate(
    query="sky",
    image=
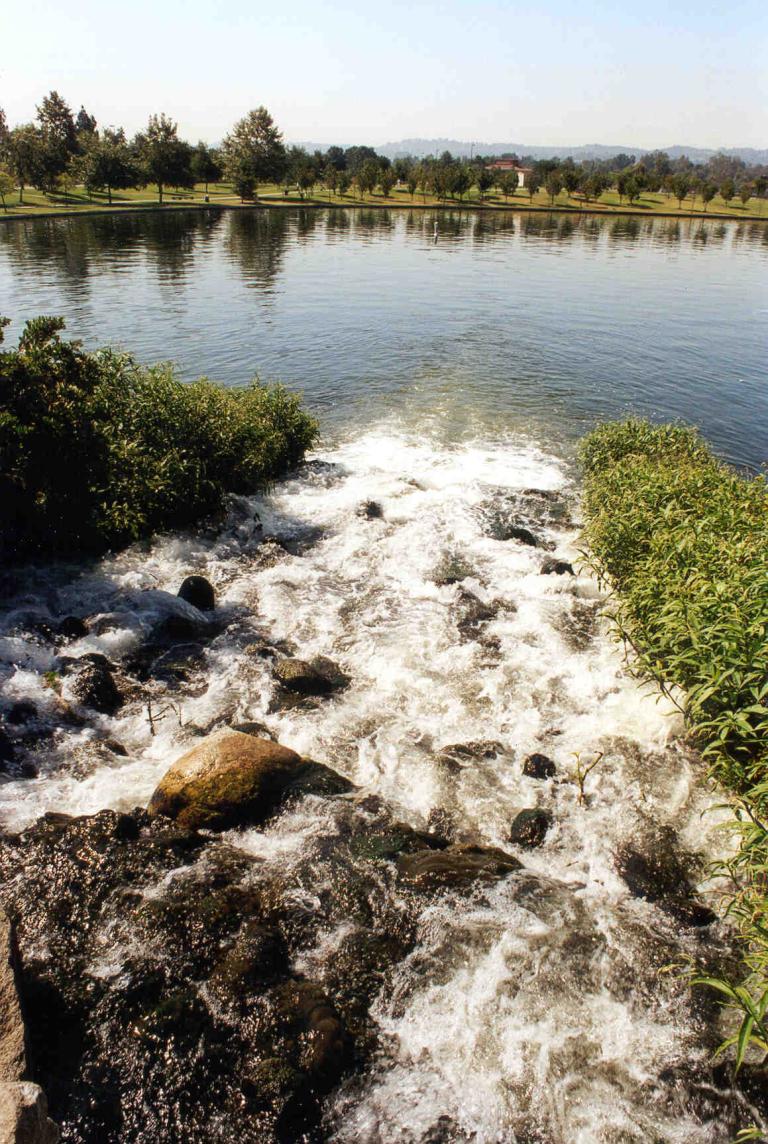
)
(564, 72)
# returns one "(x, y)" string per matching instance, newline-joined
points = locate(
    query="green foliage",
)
(683, 541)
(97, 450)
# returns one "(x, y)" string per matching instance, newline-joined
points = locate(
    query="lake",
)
(540, 323)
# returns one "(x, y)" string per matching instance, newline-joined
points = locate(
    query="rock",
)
(530, 827)
(231, 778)
(92, 684)
(551, 567)
(455, 866)
(13, 1056)
(319, 676)
(198, 592)
(24, 1115)
(257, 958)
(23, 711)
(522, 535)
(474, 613)
(452, 569)
(654, 871)
(260, 730)
(7, 751)
(72, 628)
(324, 1045)
(370, 509)
(538, 766)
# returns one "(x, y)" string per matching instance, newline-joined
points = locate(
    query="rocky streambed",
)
(365, 835)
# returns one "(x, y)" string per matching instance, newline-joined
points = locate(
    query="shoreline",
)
(266, 204)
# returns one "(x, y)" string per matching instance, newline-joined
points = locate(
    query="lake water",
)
(543, 323)
(452, 377)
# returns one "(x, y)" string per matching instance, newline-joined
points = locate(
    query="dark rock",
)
(198, 592)
(319, 676)
(656, 870)
(258, 957)
(72, 628)
(689, 912)
(23, 711)
(260, 730)
(324, 1047)
(530, 827)
(538, 766)
(474, 613)
(522, 535)
(455, 866)
(7, 750)
(92, 683)
(115, 747)
(475, 749)
(551, 567)
(372, 510)
(452, 569)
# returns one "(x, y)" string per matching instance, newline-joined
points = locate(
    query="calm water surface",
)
(539, 323)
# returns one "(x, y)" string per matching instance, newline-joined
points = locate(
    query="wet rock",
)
(115, 747)
(198, 592)
(231, 778)
(72, 628)
(452, 569)
(324, 1047)
(318, 676)
(394, 839)
(520, 534)
(260, 730)
(7, 751)
(538, 766)
(23, 711)
(474, 613)
(91, 682)
(553, 567)
(257, 958)
(24, 1115)
(13, 1054)
(653, 869)
(371, 510)
(455, 866)
(530, 827)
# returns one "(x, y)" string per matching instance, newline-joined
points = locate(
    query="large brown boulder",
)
(231, 778)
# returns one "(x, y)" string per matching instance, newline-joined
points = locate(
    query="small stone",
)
(537, 766)
(530, 827)
(23, 711)
(522, 535)
(91, 682)
(198, 592)
(72, 628)
(554, 567)
(370, 509)
(319, 676)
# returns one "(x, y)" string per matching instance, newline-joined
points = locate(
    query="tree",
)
(206, 167)
(25, 156)
(681, 185)
(254, 151)
(745, 194)
(367, 177)
(344, 182)
(532, 184)
(554, 186)
(4, 133)
(58, 136)
(331, 179)
(85, 123)
(6, 185)
(387, 180)
(305, 176)
(632, 189)
(165, 158)
(108, 164)
(485, 180)
(708, 192)
(727, 190)
(412, 180)
(401, 167)
(461, 179)
(508, 184)
(593, 186)
(335, 157)
(571, 180)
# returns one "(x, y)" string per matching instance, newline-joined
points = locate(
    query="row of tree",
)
(60, 150)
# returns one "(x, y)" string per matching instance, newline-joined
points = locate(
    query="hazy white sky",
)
(551, 72)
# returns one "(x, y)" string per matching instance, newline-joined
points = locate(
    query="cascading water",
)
(529, 1007)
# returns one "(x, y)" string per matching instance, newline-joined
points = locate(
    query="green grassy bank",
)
(38, 204)
(97, 451)
(682, 540)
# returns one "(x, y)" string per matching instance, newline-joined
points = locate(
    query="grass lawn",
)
(221, 194)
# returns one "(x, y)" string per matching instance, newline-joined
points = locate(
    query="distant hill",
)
(422, 147)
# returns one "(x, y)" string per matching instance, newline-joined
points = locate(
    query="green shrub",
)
(96, 451)
(683, 541)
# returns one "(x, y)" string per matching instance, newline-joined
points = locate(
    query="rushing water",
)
(452, 379)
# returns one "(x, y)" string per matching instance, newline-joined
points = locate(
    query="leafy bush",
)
(683, 540)
(96, 451)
